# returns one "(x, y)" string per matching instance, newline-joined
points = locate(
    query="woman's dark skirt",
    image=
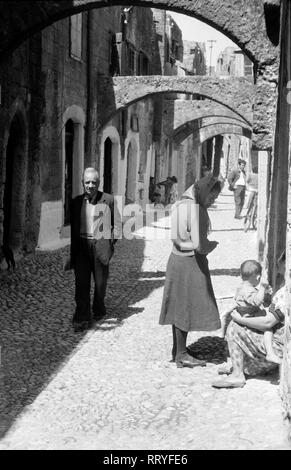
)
(188, 300)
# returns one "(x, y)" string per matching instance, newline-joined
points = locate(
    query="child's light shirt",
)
(248, 300)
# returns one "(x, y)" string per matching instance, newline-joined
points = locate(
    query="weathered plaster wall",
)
(22, 88)
(284, 133)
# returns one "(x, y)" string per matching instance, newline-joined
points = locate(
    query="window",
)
(123, 125)
(76, 36)
(113, 58)
(143, 64)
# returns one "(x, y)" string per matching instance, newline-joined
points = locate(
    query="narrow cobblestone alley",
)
(114, 387)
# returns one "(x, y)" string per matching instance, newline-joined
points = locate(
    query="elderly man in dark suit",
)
(94, 230)
(237, 183)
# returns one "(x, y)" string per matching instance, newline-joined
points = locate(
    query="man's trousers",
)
(239, 199)
(87, 264)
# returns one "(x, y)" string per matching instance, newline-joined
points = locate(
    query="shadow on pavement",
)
(209, 348)
(228, 230)
(225, 272)
(37, 306)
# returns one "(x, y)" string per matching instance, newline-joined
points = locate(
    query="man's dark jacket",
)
(103, 246)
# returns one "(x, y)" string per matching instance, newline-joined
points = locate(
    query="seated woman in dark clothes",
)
(245, 339)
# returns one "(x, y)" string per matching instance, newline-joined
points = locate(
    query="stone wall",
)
(285, 114)
(50, 87)
(22, 88)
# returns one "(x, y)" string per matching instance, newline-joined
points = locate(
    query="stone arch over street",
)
(244, 22)
(180, 112)
(206, 128)
(215, 130)
(237, 94)
(247, 22)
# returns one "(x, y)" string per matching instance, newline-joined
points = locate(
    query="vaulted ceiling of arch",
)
(177, 113)
(207, 132)
(202, 129)
(243, 21)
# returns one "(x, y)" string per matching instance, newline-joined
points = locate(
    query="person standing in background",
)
(237, 184)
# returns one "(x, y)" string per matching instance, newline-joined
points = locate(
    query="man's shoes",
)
(99, 316)
(80, 326)
(185, 360)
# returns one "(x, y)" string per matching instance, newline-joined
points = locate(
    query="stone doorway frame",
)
(112, 133)
(77, 115)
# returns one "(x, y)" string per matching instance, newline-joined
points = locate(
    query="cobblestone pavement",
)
(114, 387)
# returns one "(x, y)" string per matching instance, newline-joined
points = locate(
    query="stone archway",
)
(181, 112)
(203, 127)
(236, 94)
(15, 183)
(249, 23)
(214, 130)
(245, 22)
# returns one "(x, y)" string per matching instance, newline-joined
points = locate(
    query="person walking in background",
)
(167, 184)
(252, 186)
(205, 171)
(169, 191)
(94, 230)
(173, 194)
(152, 188)
(188, 300)
(237, 183)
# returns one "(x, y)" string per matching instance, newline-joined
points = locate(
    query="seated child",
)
(248, 301)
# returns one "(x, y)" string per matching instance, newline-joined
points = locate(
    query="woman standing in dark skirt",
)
(188, 301)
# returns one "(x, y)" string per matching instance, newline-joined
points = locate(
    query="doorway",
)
(14, 198)
(130, 195)
(107, 185)
(68, 180)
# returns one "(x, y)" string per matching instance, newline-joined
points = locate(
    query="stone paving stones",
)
(114, 386)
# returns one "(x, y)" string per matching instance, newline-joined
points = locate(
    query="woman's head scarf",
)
(200, 190)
